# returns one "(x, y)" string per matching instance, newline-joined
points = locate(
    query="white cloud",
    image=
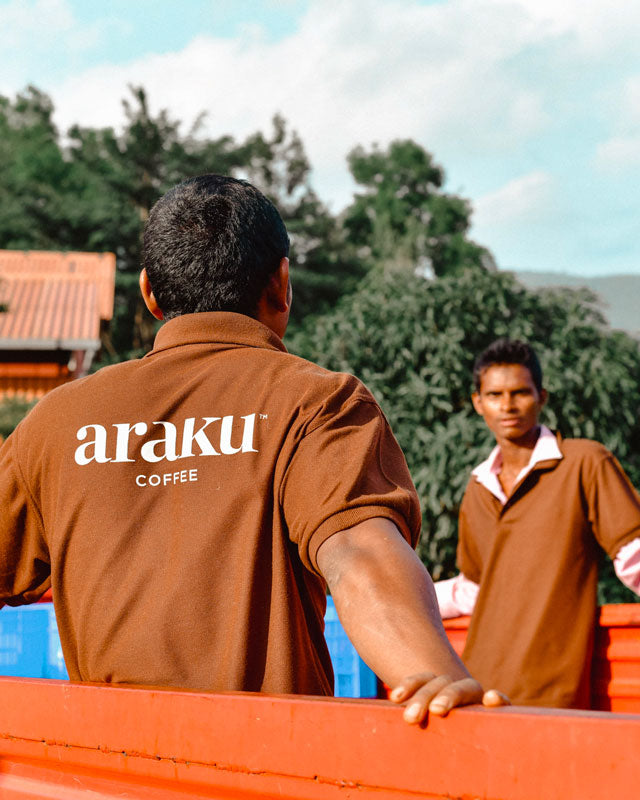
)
(22, 21)
(45, 27)
(367, 71)
(619, 153)
(630, 103)
(621, 150)
(502, 92)
(523, 200)
(595, 28)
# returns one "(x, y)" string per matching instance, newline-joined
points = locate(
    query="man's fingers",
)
(459, 693)
(493, 698)
(410, 685)
(418, 707)
(438, 694)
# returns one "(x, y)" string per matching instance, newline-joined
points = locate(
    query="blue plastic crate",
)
(29, 642)
(30, 648)
(353, 678)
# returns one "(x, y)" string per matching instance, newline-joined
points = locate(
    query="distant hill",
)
(620, 294)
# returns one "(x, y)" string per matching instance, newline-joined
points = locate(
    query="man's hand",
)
(438, 694)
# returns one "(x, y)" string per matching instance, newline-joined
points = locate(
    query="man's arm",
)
(627, 565)
(24, 557)
(386, 603)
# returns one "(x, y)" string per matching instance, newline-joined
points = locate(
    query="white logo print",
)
(213, 436)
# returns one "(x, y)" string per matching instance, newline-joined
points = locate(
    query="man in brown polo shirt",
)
(532, 521)
(190, 507)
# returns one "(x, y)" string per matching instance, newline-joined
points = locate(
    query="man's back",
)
(188, 508)
(182, 498)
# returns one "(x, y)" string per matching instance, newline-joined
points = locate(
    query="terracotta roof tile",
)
(54, 300)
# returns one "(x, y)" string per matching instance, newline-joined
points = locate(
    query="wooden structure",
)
(69, 741)
(55, 305)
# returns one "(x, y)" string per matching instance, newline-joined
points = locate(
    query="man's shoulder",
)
(316, 379)
(473, 488)
(583, 449)
(65, 398)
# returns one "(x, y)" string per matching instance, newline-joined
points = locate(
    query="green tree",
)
(12, 410)
(323, 268)
(402, 219)
(413, 342)
(119, 175)
(96, 191)
(33, 174)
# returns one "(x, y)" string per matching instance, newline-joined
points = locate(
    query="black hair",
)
(508, 351)
(211, 244)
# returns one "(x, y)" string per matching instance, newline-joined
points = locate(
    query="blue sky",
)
(531, 106)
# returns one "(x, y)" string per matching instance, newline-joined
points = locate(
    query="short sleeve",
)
(24, 558)
(614, 505)
(467, 555)
(347, 468)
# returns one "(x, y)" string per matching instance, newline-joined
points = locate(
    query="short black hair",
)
(211, 244)
(508, 351)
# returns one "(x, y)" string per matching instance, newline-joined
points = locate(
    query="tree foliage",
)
(413, 342)
(361, 299)
(93, 189)
(12, 410)
(401, 217)
(34, 175)
(322, 266)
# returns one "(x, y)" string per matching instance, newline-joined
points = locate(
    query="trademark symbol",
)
(263, 416)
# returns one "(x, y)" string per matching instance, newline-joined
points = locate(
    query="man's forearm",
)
(386, 602)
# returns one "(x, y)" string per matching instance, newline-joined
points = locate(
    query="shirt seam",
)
(378, 510)
(347, 405)
(216, 343)
(307, 432)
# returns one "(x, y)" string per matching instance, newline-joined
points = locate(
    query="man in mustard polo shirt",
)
(532, 521)
(190, 507)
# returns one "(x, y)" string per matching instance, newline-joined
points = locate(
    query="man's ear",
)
(544, 396)
(477, 402)
(147, 295)
(275, 301)
(278, 290)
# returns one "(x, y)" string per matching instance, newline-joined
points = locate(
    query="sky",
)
(532, 107)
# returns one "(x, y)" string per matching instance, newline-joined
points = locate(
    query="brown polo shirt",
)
(536, 558)
(177, 503)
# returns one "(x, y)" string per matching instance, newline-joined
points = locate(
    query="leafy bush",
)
(413, 342)
(12, 410)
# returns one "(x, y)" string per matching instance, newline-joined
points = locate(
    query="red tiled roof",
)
(54, 300)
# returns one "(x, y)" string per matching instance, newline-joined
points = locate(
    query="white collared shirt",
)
(546, 448)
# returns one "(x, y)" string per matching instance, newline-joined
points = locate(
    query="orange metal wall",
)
(62, 740)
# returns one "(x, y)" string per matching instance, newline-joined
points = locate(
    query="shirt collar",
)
(486, 473)
(216, 327)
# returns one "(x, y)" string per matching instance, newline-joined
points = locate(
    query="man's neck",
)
(517, 452)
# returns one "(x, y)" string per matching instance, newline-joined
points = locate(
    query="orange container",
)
(616, 659)
(66, 741)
